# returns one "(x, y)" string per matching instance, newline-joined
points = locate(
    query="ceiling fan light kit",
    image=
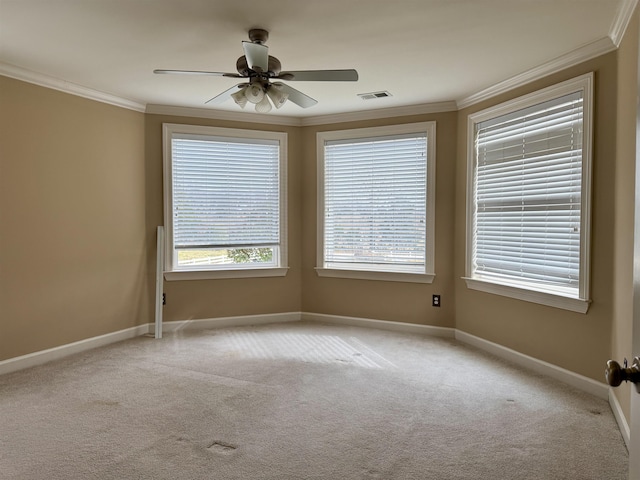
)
(264, 105)
(277, 96)
(240, 98)
(254, 93)
(260, 68)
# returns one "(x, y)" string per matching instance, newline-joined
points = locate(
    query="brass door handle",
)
(615, 374)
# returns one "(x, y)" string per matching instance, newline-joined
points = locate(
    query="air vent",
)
(374, 95)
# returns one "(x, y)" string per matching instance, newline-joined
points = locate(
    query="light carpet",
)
(300, 401)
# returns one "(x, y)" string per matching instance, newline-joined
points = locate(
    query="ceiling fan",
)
(260, 68)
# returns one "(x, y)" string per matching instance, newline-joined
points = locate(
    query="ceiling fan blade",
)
(197, 72)
(349, 75)
(297, 96)
(224, 96)
(257, 56)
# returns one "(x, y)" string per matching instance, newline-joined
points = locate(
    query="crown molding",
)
(301, 121)
(155, 109)
(621, 20)
(624, 13)
(404, 111)
(575, 57)
(46, 81)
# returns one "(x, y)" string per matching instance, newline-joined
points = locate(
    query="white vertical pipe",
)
(159, 281)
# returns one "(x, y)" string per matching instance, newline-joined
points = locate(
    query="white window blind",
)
(528, 188)
(375, 193)
(226, 192)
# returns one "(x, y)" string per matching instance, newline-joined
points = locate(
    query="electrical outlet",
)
(436, 301)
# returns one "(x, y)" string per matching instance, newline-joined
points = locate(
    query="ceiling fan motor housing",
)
(243, 67)
(258, 35)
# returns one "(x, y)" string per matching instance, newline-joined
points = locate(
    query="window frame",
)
(173, 272)
(422, 127)
(526, 290)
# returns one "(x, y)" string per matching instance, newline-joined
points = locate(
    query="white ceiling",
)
(421, 51)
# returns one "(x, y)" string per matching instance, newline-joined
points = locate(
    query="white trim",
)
(527, 295)
(193, 112)
(402, 327)
(159, 281)
(219, 274)
(224, 322)
(587, 52)
(423, 109)
(621, 20)
(592, 50)
(576, 380)
(38, 358)
(586, 84)
(233, 271)
(348, 134)
(46, 81)
(580, 382)
(376, 275)
(583, 82)
(44, 356)
(407, 110)
(621, 420)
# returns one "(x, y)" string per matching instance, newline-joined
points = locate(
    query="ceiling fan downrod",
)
(258, 35)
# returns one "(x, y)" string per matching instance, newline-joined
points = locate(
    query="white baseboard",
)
(223, 322)
(586, 384)
(44, 356)
(623, 425)
(583, 383)
(380, 324)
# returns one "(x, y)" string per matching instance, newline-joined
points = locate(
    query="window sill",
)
(543, 298)
(382, 276)
(220, 274)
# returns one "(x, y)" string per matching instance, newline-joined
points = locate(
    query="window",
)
(224, 202)
(376, 190)
(529, 197)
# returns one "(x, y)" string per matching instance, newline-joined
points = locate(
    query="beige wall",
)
(624, 205)
(578, 342)
(199, 299)
(72, 210)
(396, 301)
(81, 196)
